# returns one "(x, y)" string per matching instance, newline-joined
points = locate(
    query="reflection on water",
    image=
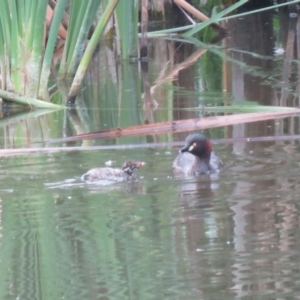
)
(232, 236)
(103, 186)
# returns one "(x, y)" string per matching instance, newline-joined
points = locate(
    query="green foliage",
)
(127, 13)
(22, 47)
(27, 46)
(45, 72)
(93, 42)
(82, 14)
(210, 67)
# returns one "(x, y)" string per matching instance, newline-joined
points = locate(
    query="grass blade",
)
(127, 28)
(90, 12)
(214, 19)
(35, 61)
(52, 37)
(87, 56)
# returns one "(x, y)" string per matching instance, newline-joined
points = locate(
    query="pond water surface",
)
(232, 235)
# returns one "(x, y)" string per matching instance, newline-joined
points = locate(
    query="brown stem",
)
(202, 17)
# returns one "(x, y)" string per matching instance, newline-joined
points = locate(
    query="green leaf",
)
(214, 19)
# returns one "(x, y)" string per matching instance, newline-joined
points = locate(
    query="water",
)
(234, 235)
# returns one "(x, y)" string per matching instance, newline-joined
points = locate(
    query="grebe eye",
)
(192, 146)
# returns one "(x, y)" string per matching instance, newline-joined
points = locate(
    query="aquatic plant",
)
(35, 34)
(45, 40)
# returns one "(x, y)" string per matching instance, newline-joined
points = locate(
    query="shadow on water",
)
(234, 235)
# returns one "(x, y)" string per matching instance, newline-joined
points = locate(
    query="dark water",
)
(234, 235)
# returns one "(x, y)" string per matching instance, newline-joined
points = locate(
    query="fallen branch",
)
(182, 125)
